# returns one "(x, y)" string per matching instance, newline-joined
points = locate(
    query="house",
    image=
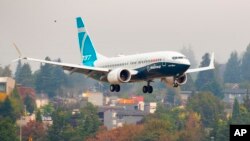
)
(231, 94)
(7, 84)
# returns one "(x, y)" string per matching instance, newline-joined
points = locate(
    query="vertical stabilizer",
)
(86, 47)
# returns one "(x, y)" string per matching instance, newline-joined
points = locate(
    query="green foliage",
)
(30, 104)
(47, 110)
(5, 72)
(38, 116)
(7, 130)
(24, 75)
(245, 66)
(232, 68)
(74, 127)
(236, 110)
(49, 78)
(208, 106)
(6, 110)
(208, 80)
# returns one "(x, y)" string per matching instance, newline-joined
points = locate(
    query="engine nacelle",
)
(170, 81)
(117, 76)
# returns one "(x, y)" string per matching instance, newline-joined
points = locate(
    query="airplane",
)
(169, 66)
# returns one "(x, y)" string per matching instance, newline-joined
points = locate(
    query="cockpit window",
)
(178, 57)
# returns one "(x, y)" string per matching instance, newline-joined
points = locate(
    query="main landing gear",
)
(148, 88)
(114, 87)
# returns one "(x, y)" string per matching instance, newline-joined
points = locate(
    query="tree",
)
(208, 80)
(236, 110)
(7, 130)
(193, 129)
(232, 68)
(34, 130)
(208, 106)
(190, 85)
(245, 66)
(24, 75)
(6, 110)
(38, 116)
(30, 104)
(17, 73)
(49, 78)
(5, 72)
(74, 127)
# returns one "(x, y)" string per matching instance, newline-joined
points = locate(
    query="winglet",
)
(211, 65)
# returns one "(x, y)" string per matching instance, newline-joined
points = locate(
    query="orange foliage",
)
(125, 133)
(2, 96)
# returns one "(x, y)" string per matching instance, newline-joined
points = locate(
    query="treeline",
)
(51, 79)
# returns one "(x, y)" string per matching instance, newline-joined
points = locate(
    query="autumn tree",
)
(208, 106)
(193, 128)
(34, 130)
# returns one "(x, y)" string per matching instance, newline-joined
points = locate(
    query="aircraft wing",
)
(89, 71)
(71, 67)
(210, 67)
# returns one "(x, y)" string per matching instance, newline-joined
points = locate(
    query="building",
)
(96, 98)
(42, 100)
(231, 94)
(150, 107)
(114, 118)
(7, 85)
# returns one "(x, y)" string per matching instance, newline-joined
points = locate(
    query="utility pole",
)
(21, 127)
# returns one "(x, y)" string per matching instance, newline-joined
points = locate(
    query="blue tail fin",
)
(86, 47)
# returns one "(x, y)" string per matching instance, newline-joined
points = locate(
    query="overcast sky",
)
(47, 27)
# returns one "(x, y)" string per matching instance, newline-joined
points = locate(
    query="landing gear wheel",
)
(112, 88)
(144, 89)
(150, 89)
(117, 88)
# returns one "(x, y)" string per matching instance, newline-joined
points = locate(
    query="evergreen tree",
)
(5, 72)
(236, 110)
(7, 130)
(17, 73)
(49, 78)
(6, 110)
(232, 68)
(207, 80)
(30, 104)
(25, 75)
(245, 66)
(38, 116)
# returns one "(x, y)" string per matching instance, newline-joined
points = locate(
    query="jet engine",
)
(117, 76)
(175, 81)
